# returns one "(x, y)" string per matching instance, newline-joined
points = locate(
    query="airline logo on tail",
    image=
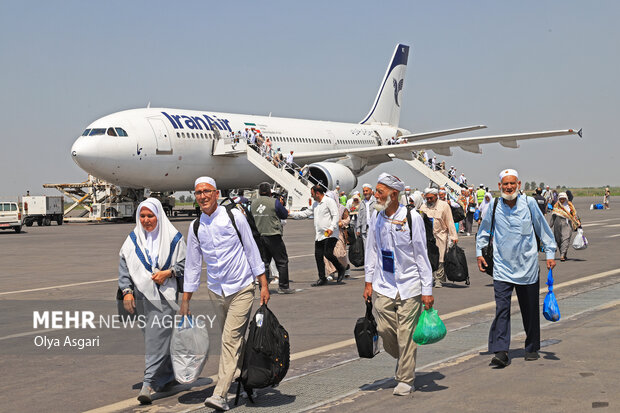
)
(398, 86)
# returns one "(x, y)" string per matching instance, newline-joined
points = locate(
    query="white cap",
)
(508, 172)
(205, 180)
(562, 195)
(429, 190)
(367, 186)
(391, 181)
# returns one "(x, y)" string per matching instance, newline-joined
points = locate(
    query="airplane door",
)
(377, 138)
(161, 136)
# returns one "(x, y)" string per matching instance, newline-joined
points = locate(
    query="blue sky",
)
(514, 66)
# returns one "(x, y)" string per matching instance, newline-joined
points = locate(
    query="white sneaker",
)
(402, 389)
(218, 403)
(146, 394)
(330, 278)
(275, 281)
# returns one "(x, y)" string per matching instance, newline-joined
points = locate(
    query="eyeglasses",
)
(205, 192)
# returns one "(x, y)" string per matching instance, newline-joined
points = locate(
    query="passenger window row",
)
(195, 135)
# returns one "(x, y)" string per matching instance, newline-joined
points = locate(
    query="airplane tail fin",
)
(386, 108)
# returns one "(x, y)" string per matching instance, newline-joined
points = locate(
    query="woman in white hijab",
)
(484, 206)
(152, 259)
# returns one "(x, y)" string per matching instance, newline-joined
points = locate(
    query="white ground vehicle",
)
(42, 209)
(10, 216)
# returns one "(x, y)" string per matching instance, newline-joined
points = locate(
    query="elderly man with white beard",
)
(398, 270)
(443, 229)
(514, 220)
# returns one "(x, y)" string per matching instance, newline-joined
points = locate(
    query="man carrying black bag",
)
(398, 269)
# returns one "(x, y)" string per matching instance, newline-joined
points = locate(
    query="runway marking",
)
(59, 286)
(614, 236)
(98, 281)
(125, 404)
(613, 226)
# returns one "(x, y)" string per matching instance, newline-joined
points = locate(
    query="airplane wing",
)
(435, 134)
(378, 154)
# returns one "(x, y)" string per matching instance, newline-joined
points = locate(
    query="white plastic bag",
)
(188, 348)
(580, 242)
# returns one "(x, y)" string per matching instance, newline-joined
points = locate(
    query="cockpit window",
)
(111, 132)
(121, 132)
(86, 132)
(98, 131)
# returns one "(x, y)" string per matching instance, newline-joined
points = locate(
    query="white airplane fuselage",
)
(167, 149)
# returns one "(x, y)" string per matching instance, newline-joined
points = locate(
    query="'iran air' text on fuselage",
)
(196, 122)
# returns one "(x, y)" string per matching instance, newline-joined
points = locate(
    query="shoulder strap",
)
(531, 216)
(173, 245)
(493, 218)
(409, 223)
(229, 209)
(196, 225)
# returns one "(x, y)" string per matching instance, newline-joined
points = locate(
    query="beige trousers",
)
(440, 275)
(396, 320)
(233, 313)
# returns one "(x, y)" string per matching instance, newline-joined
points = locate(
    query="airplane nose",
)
(83, 153)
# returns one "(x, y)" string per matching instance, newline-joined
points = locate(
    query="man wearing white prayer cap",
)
(233, 262)
(398, 270)
(443, 229)
(367, 207)
(517, 221)
(404, 198)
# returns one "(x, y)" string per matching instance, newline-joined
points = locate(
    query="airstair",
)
(297, 186)
(435, 176)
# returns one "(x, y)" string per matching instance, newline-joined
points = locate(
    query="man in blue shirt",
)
(518, 221)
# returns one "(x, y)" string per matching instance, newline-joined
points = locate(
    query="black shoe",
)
(501, 359)
(531, 356)
(319, 282)
(340, 276)
(286, 291)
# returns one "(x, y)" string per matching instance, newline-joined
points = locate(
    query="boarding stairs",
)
(297, 187)
(435, 176)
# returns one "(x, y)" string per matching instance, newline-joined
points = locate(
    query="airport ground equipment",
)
(97, 200)
(10, 216)
(42, 209)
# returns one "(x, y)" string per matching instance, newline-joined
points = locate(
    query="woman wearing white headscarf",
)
(151, 259)
(484, 206)
(564, 220)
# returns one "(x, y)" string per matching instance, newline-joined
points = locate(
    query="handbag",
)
(366, 335)
(487, 252)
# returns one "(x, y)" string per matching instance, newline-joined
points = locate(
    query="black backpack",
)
(229, 208)
(267, 353)
(455, 265)
(458, 214)
(431, 244)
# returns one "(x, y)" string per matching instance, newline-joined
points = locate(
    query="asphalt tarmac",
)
(75, 265)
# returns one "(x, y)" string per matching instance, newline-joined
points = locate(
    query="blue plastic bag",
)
(477, 215)
(551, 311)
(430, 328)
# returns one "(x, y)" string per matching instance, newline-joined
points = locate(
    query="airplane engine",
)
(332, 174)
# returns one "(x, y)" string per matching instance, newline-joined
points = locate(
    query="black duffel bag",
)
(366, 335)
(458, 214)
(356, 252)
(455, 265)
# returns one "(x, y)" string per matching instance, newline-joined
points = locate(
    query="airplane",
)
(165, 149)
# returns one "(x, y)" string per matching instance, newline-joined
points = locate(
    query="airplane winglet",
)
(579, 132)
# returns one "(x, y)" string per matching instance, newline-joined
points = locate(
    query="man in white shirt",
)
(326, 217)
(367, 207)
(233, 261)
(289, 158)
(398, 270)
